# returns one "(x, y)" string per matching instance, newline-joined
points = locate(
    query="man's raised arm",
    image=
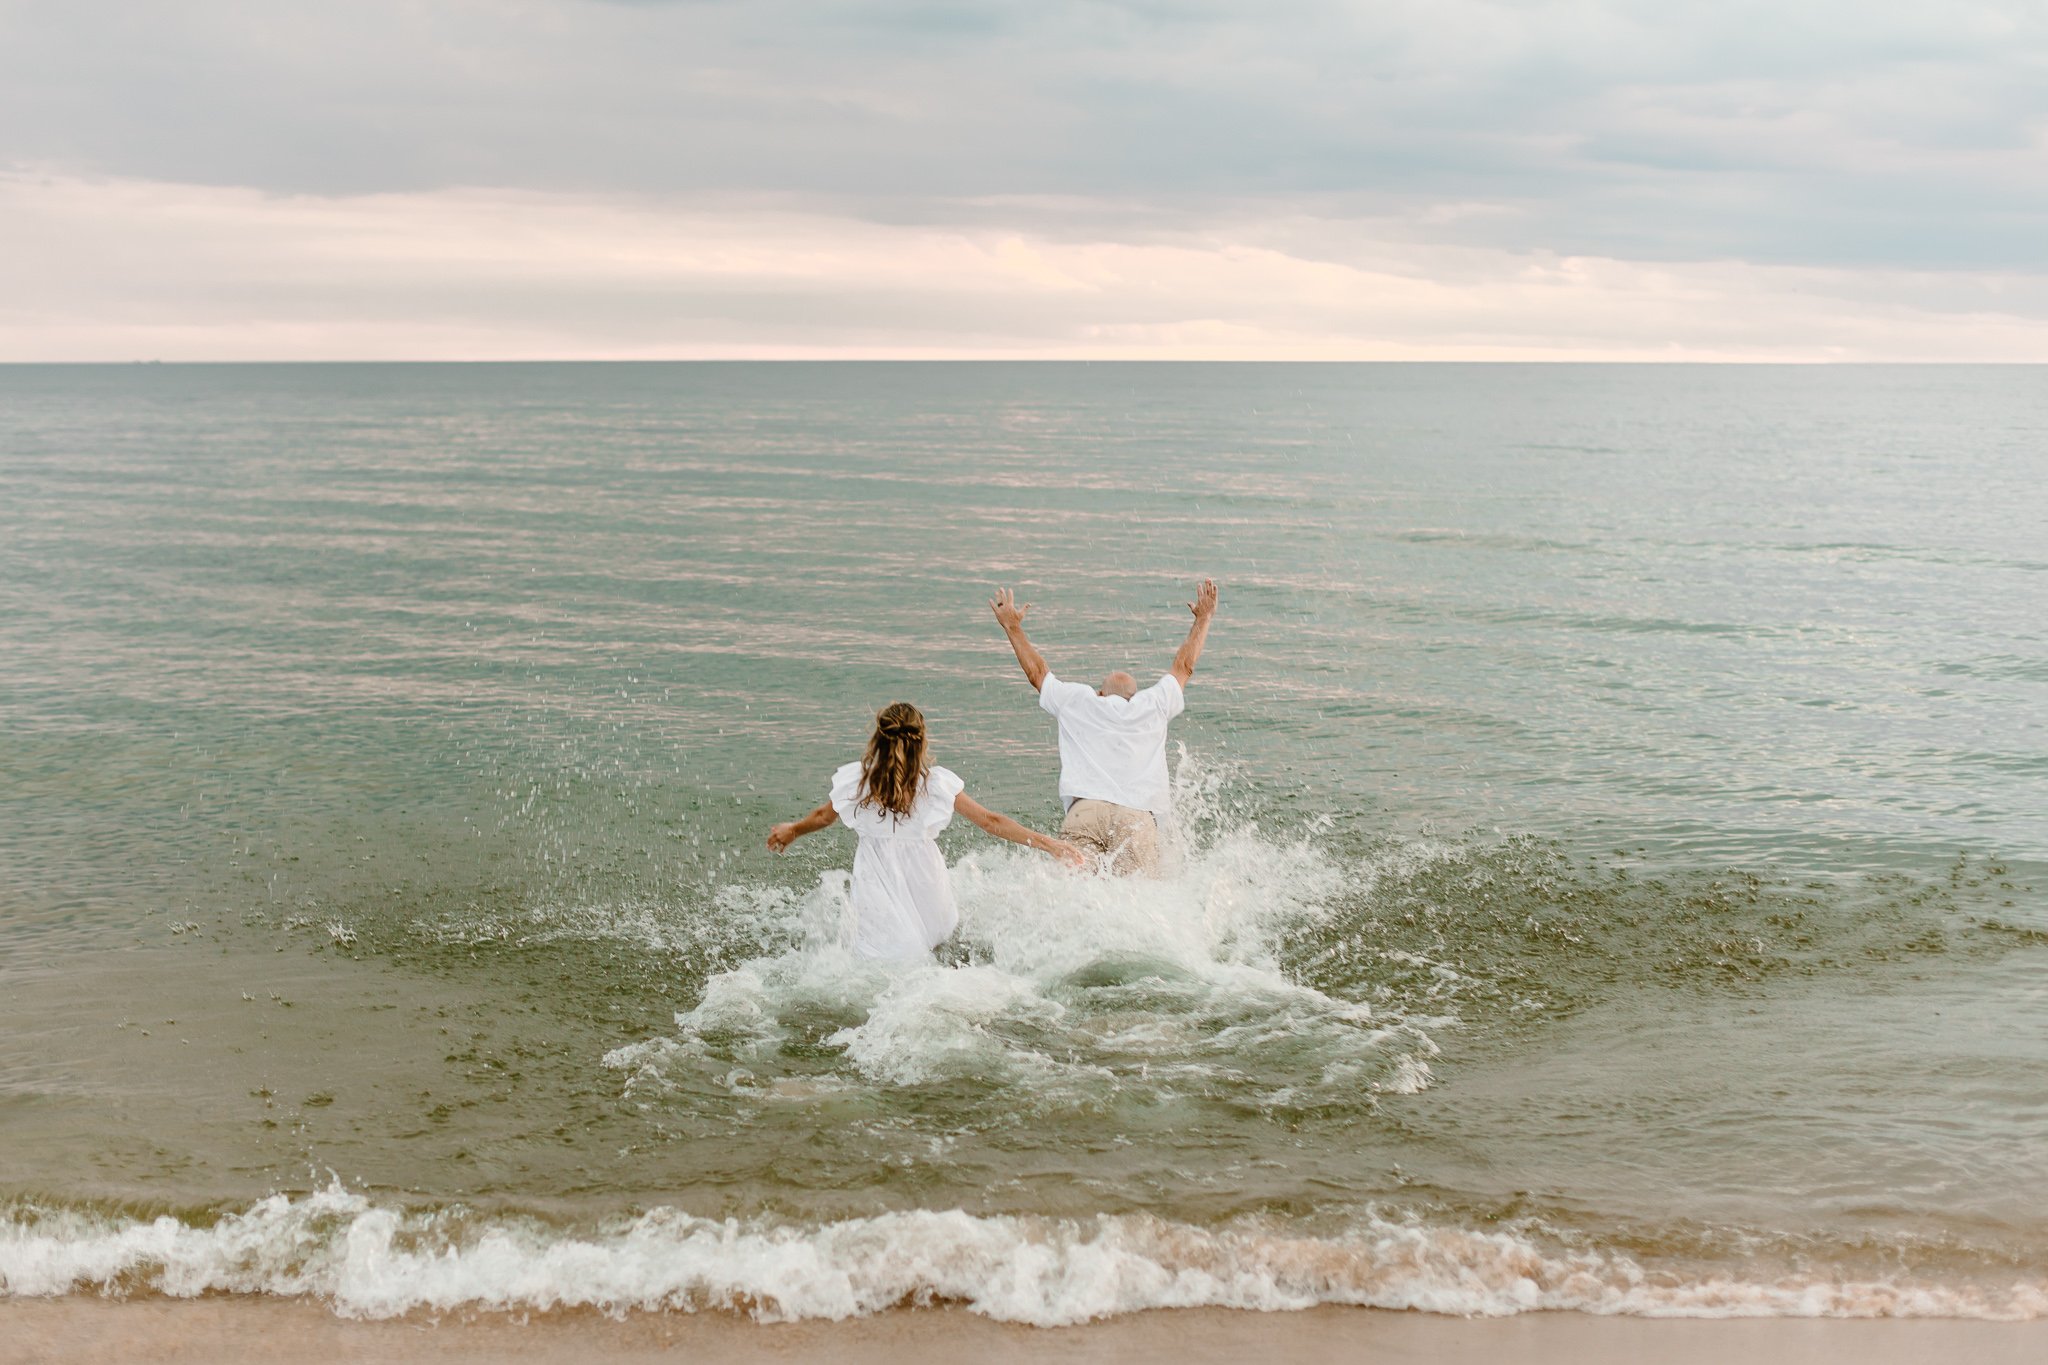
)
(1204, 608)
(1011, 617)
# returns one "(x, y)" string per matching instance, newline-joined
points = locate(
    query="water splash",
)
(1078, 986)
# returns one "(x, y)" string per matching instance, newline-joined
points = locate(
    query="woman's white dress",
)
(902, 895)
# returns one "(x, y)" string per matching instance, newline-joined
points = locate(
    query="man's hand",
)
(1009, 615)
(1204, 608)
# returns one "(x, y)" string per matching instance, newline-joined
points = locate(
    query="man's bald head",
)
(1118, 684)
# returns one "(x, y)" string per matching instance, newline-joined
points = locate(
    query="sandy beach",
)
(228, 1331)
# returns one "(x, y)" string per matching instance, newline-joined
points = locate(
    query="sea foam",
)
(371, 1261)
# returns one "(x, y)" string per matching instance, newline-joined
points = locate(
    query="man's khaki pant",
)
(1129, 838)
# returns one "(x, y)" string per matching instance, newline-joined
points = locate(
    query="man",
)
(1113, 776)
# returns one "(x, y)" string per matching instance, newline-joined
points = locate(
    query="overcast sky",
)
(1672, 179)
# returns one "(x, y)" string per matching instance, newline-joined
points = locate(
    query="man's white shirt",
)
(1114, 748)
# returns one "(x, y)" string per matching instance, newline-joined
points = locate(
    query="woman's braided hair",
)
(893, 768)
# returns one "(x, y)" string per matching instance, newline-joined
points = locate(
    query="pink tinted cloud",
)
(113, 269)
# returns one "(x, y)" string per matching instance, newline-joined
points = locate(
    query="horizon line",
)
(1707, 362)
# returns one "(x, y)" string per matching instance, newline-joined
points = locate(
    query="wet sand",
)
(230, 1331)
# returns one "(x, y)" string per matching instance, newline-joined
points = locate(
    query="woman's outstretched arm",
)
(1003, 827)
(783, 835)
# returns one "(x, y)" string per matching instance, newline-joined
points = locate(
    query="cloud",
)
(1878, 147)
(125, 269)
(1577, 108)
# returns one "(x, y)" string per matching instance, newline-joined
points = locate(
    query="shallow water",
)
(1614, 838)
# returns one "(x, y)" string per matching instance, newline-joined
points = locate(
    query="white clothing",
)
(902, 896)
(1114, 748)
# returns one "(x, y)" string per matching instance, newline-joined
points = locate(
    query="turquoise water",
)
(1615, 805)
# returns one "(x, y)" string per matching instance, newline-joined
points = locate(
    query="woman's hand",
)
(789, 831)
(1070, 854)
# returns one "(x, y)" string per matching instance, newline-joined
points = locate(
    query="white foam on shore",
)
(369, 1261)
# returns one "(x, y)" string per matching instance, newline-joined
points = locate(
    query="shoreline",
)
(229, 1330)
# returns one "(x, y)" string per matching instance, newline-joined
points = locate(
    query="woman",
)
(897, 803)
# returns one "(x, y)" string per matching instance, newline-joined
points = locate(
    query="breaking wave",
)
(369, 1261)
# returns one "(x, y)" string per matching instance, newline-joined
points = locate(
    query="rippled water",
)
(1615, 816)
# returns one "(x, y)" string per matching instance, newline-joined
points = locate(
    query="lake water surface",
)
(1613, 817)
